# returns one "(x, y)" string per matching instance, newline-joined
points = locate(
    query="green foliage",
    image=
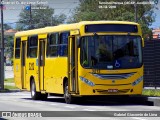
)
(6, 26)
(8, 41)
(8, 45)
(8, 87)
(38, 18)
(154, 92)
(90, 10)
(56, 20)
(9, 80)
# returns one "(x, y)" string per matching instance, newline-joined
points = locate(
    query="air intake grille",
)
(114, 76)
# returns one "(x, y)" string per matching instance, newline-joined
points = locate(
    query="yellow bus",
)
(89, 58)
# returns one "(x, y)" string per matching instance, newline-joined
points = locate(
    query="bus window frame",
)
(31, 47)
(62, 44)
(48, 54)
(17, 48)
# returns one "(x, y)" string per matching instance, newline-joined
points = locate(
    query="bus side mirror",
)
(142, 42)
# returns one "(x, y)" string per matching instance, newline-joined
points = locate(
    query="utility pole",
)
(2, 52)
(135, 10)
(30, 14)
(52, 21)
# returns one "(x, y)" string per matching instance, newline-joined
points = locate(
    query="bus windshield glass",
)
(111, 51)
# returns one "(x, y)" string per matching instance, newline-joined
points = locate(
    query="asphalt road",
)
(21, 101)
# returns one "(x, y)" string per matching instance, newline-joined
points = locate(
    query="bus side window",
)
(52, 45)
(63, 51)
(32, 46)
(17, 48)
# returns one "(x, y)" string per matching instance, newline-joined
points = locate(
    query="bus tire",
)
(68, 97)
(34, 94)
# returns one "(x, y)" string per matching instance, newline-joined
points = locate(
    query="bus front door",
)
(72, 66)
(41, 63)
(23, 64)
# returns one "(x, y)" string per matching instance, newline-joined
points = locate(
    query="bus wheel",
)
(68, 98)
(34, 94)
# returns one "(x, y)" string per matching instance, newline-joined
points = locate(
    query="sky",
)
(156, 24)
(13, 7)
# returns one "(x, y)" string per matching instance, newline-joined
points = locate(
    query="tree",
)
(96, 10)
(58, 19)
(8, 40)
(38, 18)
(7, 27)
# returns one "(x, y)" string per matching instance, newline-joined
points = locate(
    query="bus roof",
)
(67, 27)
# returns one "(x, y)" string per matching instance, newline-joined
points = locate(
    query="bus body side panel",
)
(49, 77)
(55, 71)
(17, 73)
(32, 72)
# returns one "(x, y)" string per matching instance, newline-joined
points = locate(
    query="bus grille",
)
(107, 91)
(114, 76)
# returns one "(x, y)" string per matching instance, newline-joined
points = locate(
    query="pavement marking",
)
(4, 99)
(70, 107)
(39, 102)
(53, 104)
(26, 101)
(15, 94)
(88, 110)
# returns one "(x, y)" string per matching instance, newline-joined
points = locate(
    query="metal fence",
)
(151, 58)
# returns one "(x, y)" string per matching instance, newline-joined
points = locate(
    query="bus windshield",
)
(111, 52)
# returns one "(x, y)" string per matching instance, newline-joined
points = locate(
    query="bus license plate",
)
(112, 90)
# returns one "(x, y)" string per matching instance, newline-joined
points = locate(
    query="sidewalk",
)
(9, 72)
(9, 68)
(9, 84)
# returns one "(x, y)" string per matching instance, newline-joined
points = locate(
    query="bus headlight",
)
(137, 81)
(90, 83)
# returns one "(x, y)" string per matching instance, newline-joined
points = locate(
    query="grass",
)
(154, 92)
(9, 80)
(8, 87)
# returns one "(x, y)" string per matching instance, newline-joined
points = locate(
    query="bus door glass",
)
(23, 63)
(72, 65)
(41, 61)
